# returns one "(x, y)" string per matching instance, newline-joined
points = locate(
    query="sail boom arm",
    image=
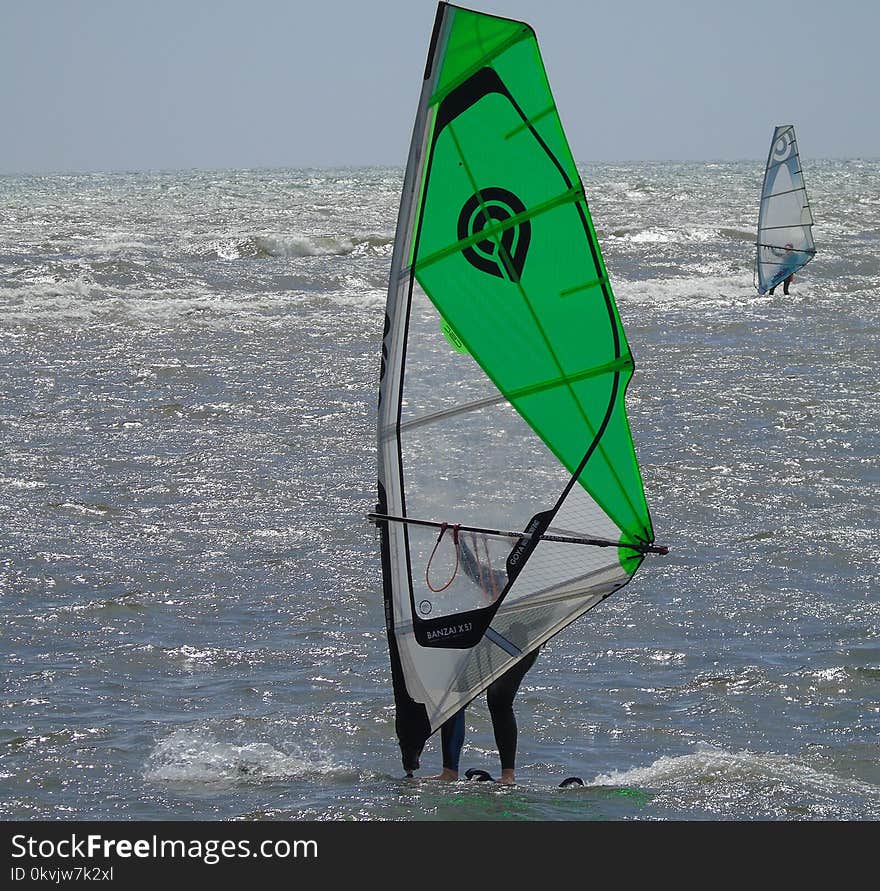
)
(502, 533)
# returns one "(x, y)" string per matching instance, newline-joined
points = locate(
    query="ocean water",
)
(191, 597)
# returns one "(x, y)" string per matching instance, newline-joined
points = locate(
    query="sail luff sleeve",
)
(412, 724)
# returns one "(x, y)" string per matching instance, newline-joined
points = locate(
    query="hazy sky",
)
(163, 84)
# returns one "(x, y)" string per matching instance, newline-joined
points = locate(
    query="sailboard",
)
(510, 501)
(785, 234)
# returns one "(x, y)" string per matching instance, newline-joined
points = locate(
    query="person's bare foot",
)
(447, 775)
(507, 778)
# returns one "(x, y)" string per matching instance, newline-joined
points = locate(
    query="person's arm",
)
(491, 581)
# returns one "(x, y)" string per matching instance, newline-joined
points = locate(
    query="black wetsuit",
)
(499, 696)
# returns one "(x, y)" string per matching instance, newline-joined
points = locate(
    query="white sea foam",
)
(687, 293)
(198, 756)
(116, 242)
(80, 302)
(663, 235)
(709, 763)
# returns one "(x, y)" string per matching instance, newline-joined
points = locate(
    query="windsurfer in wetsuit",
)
(499, 695)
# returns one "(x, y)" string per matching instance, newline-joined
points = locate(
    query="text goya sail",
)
(510, 499)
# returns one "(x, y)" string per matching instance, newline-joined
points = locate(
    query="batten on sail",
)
(510, 498)
(785, 234)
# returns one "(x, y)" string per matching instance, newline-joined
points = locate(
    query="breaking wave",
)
(256, 247)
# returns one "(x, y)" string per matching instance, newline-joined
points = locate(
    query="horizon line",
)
(379, 166)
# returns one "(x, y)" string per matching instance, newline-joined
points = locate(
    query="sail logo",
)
(503, 251)
(525, 545)
(782, 147)
(451, 630)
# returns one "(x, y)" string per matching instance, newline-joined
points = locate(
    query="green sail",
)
(524, 286)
